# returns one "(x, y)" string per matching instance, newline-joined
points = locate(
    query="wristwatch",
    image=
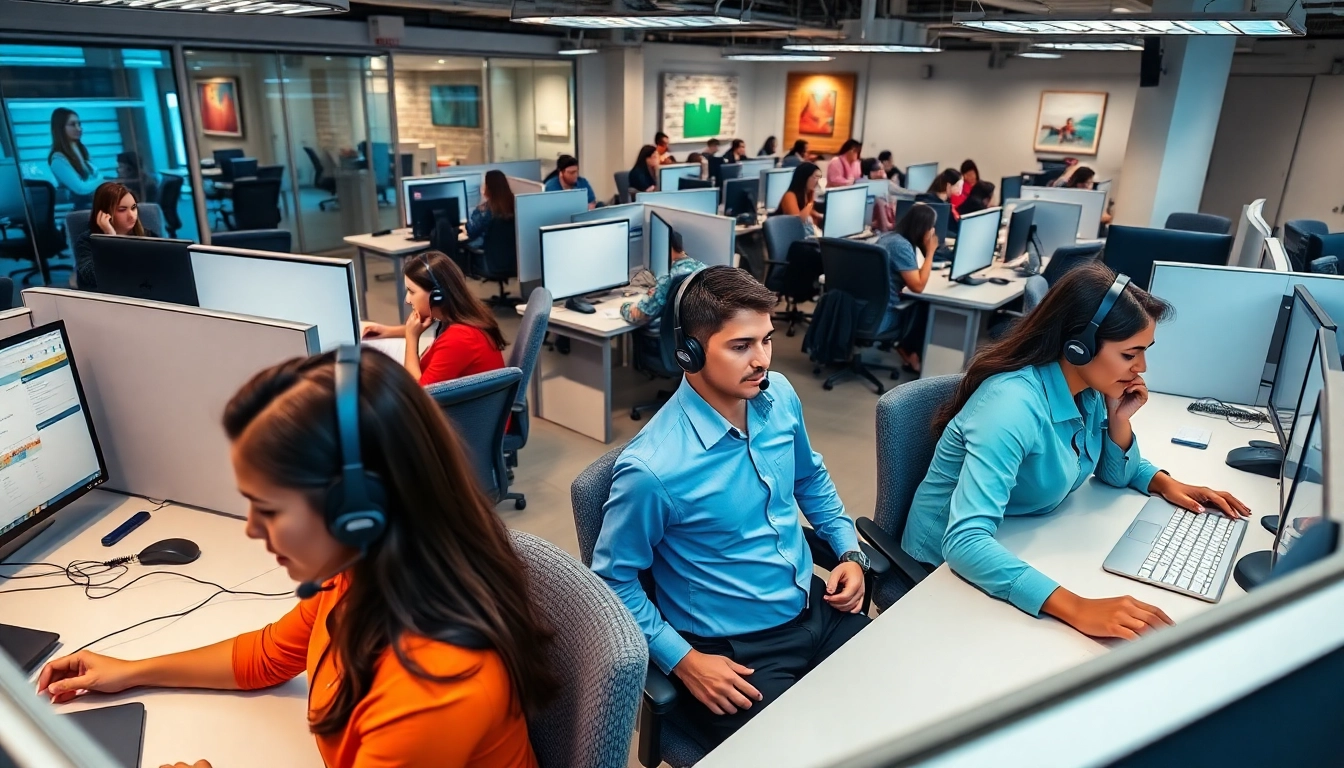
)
(857, 556)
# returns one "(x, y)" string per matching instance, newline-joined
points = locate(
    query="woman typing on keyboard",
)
(1034, 415)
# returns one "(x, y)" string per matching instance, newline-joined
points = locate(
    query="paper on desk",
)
(612, 314)
(393, 348)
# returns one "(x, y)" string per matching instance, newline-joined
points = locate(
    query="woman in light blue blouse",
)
(1027, 427)
(69, 158)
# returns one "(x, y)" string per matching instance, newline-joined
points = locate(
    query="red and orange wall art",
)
(819, 108)
(220, 112)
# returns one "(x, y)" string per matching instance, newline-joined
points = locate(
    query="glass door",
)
(531, 110)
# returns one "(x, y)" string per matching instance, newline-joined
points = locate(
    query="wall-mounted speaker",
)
(1150, 67)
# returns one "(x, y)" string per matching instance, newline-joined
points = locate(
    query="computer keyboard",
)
(1191, 553)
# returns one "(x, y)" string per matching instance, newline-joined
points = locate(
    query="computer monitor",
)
(1305, 318)
(660, 245)
(430, 187)
(1273, 257)
(50, 453)
(473, 182)
(630, 212)
(684, 184)
(942, 211)
(1132, 250)
(774, 183)
(1009, 188)
(728, 171)
(669, 176)
(144, 268)
(920, 176)
(698, 200)
(1324, 359)
(1056, 226)
(1304, 497)
(223, 156)
(580, 259)
(1092, 201)
(752, 168)
(283, 286)
(739, 196)
(1019, 230)
(976, 239)
(425, 214)
(844, 211)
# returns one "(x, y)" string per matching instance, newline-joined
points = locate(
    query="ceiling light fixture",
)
(576, 51)
(777, 57)
(1116, 45)
(861, 48)
(252, 7)
(1038, 55)
(872, 36)
(1236, 24)
(650, 20)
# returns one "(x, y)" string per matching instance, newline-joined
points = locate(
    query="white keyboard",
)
(1190, 551)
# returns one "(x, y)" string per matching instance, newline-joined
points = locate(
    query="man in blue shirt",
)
(707, 497)
(567, 177)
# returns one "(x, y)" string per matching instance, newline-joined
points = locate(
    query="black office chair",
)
(256, 204)
(273, 240)
(685, 183)
(276, 172)
(478, 407)
(1066, 257)
(1295, 235)
(170, 194)
(655, 351)
(791, 273)
(1199, 222)
(1321, 247)
(320, 178)
(43, 239)
(622, 187)
(860, 270)
(498, 260)
(443, 238)
(7, 300)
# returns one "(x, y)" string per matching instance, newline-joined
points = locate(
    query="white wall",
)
(1314, 189)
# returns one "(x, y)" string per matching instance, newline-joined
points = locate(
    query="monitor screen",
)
(435, 188)
(1019, 229)
(670, 175)
(844, 211)
(1056, 225)
(976, 239)
(704, 201)
(660, 245)
(739, 196)
(754, 167)
(578, 259)
(1304, 497)
(473, 182)
(920, 176)
(774, 184)
(1009, 187)
(49, 454)
(1317, 369)
(1304, 320)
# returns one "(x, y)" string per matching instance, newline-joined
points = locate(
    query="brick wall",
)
(414, 120)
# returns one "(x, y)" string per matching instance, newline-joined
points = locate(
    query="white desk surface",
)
(986, 296)
(946, 647)
(598, 323)
(180, 724)
(395, 243)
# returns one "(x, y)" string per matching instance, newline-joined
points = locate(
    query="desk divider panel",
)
(698, 200)
(1216, 344)
(525, 186)
(632, 212)
(14, 321)
(157, 377)
(710, 240)
(537, 210)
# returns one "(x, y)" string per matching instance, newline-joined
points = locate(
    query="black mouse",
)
(169, 552)
(998, 280)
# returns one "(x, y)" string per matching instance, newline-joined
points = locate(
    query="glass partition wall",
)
(531, 110)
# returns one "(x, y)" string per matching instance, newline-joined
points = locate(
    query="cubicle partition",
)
(14, 321)
(534, 211)
(525, 186)
(698, 200)
(632, 212)
(1216, 344)
(521, 169)
(1252, 231)
(157, 377)
(711, 240)
(1093, 202)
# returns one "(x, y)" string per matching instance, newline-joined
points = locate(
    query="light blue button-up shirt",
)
(714, 514)
(1011, 451)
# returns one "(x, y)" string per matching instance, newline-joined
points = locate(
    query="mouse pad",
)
(120, 730)
(26, 646)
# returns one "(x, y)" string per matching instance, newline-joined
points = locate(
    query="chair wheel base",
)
(520, 504)
(635, 415)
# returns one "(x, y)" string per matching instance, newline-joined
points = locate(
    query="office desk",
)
(396, 246)
(956, 314)
(574, 390)
(946, 647)
(228, 728)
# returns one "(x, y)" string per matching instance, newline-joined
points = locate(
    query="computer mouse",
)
(169, 552)
(999, 280)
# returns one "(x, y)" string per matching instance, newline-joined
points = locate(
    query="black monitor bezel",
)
(654, 215)
(421, 205)
(541, 254)
(1322, 320)
(1028, 211)
(997, 211)
(99, 240)
(420, 182)
(1312, 425)
(744, 184)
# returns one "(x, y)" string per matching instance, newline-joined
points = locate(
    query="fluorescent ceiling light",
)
(1100, 46)
(576, 51)
(861, 48)
(254, 7)
(646, 21)
(1038, 55)
(777, 57)
(1145, 24)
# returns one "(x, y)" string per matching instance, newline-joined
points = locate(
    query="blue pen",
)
(123, 530)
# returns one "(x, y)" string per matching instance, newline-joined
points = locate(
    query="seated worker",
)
(644, 173)
(884, 214)
(801, 198)
(711, 148)
(420, 645)
(894, 174)
(1028, 424)
(797, 155)
(1086, 178)
(468, 340)
(844, 169)
(945, 186)
(650, 307)
(702, 161)
(970, 176)
(497, 202)
(707, 495)
(144, 185)
(917, 230)
(566, 176)
(977, 199)
(661, 141)
(115, 212)
(737, 152)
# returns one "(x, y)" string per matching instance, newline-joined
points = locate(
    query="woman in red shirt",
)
(468, 341)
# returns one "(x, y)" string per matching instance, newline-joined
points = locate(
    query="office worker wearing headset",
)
(1036, 413)
(707, 497)
(414, 626)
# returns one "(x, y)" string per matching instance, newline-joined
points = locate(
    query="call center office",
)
(1264, 354)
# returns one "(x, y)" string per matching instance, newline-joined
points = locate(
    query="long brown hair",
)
(459, 305)
(106, 198)
(499, 195)
(444, 569)
(74, 151)
(1063, 314)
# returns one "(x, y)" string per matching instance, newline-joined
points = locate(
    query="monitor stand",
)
(26, 537)
(1260, 459)
(971, 280)
(575, 304)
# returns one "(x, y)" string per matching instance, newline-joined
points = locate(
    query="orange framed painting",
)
(819, 109)
(219, 107)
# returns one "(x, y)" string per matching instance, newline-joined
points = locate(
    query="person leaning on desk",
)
(644, 173)
(1026, 427)
(419, 642)
(115, 212)
(650, 306)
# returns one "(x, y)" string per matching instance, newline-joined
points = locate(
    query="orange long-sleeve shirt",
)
(403, 721)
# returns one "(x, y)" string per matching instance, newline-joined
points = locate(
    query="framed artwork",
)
(1069, 122)
(455, 106)
(220, 107)
(699, 107)
(819, 108)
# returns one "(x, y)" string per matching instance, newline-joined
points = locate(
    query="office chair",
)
(655, 350)
(320, 178)
(905, 446)
(1066, 257)
(43, 239)
(663, 738)
(498, 260)
(1322, 246)
(1295, 235)
(443, 238)
(242, 168)
(276, 172)
(256, 204)
(1199, 222)
(1033, 292)
(622, 187)
(478, 407)
(1132, 250)
(380, 162)
(597, 652)
(273, 240)
(7, 301)
(523, 356)
(860, 270)
(170, 193)
(792, 282)
(685, 183)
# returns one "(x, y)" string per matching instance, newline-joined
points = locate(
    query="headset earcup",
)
(1076, 352)
(356, 527)
(690, 356)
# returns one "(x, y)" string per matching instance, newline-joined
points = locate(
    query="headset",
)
(1081, 350)
(436, 292)
(690, 355)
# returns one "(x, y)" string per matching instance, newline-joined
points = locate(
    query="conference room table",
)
(946, 648)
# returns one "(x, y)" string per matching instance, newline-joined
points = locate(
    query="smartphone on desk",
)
(1194, 438)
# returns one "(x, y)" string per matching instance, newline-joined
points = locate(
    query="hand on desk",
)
(1197, 498)
(844, 588)
(79, 673)
(717, 681)
(1122, 617)
(380, 331)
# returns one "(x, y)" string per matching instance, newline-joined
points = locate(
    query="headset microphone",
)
(765, 382)
(309, 589)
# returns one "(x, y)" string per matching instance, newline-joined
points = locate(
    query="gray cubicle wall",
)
(1216, 344)
(522, 169)
(534, 211)
(698, 200)
(524, 186)
(709, 239)
(632, 212)
(1093, 202)
(157, 377)
(14, 321)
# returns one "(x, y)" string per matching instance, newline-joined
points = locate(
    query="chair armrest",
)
(907, 303)
(660, 695)
(824, 557)
(883, 542)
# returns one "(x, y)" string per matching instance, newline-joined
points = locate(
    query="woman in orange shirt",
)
(421, 647)
(468, 341)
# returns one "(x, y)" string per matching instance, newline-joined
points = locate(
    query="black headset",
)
(436, 292)
(1081, 350)
(690, 355)
(356, 499)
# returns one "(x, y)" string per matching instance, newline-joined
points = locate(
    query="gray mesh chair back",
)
(599, 655)
(859, 269)
(1033, 291)
(905, 445)
(1067, 257)
(478, 407)
(780, 233)
(1199, 222)
(523, 356)
(622, 187)
(77, 222)
(273, 240)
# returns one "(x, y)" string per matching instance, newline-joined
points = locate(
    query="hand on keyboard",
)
(1196, 497)
(1122, 617)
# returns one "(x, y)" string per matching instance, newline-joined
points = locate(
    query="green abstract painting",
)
(702, 119)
